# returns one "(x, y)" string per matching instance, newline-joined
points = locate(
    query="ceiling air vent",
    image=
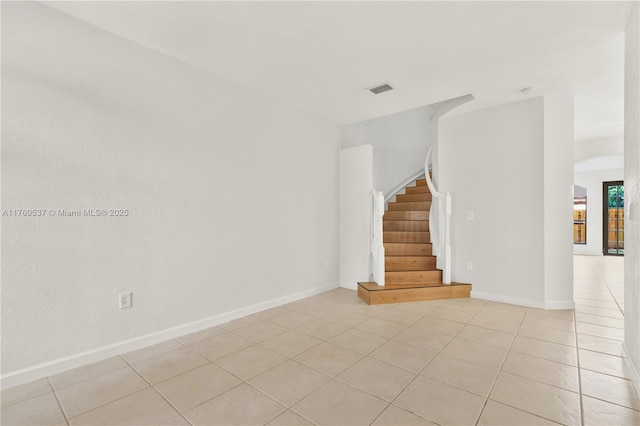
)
(381, 88)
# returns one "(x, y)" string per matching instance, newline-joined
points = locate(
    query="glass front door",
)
(613, 218)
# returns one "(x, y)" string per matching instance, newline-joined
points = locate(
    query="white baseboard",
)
(569, 304)
(507, 299)
(588, 253)
(631, 369)
(60, 365)
(559, 304)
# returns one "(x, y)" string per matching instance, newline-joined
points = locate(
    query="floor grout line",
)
(495, 380)
(427, 364)
(154, 389)
(579, 373)
(55, 395)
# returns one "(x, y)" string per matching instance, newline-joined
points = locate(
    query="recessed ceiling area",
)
(598, 154)
(319, 56)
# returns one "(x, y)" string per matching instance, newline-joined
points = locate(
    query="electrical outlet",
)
(469, 266)
(126, 300)
(469, 215)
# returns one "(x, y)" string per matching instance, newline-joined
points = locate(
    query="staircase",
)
(410, 267)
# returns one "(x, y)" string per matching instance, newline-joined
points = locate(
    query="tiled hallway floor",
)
(331, 359)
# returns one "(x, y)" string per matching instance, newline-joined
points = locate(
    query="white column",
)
(558, 202)
(356, 183)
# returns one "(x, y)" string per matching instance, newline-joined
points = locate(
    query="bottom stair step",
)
(373, 294)
(404, 277)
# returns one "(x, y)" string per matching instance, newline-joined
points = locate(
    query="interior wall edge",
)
(631, 369)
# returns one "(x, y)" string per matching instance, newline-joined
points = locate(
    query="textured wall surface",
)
(232, 198)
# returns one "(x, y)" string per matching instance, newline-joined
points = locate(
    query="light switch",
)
(469, 214)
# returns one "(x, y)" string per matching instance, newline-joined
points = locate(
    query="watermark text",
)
(66, 212)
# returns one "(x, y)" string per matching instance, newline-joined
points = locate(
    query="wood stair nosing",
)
(417, 190)
(409, 263)
(410, 205)
(403, 277)
(422, 196)
(374, 294)
(413, 285)
(407, 249)
(406, 215)
(405, 225)
(405, 237)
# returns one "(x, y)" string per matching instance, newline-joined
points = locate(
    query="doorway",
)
(579, 215)
(613, 218)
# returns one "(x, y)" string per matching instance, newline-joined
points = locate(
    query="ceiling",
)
(320, 56)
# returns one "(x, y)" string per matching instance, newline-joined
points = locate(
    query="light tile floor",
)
(331, 359)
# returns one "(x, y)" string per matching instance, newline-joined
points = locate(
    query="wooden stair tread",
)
(405, 225)
(405, 277)
(407, 249)
(406, 232)
(417, 190)
(373, 294)
(406, 215)
(421, 196)
(426, 256)
(410, 205)
(406, 236)
(413, 285)
(409, 263)
(372, 286)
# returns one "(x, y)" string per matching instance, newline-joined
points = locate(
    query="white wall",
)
(492, 161)
(233, 198)
(356, 184)
(592, 180)
(632, 194)
(558, 202)
(400, 143)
